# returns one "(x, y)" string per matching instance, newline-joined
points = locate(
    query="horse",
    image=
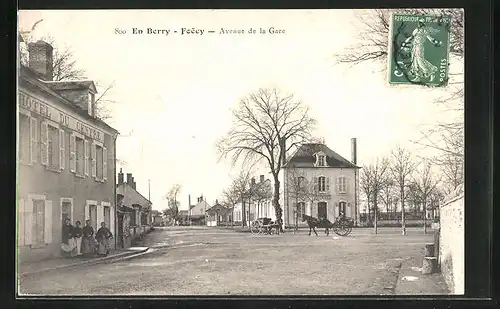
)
(313, 223)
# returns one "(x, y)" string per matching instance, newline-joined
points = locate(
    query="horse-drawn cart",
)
(264, 226)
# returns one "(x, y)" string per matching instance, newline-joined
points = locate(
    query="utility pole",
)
(149, 189)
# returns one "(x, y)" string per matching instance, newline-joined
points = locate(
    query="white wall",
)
(451, 243)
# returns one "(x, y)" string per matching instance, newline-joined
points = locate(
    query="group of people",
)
(77, 241)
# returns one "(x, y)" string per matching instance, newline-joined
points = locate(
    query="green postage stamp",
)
(419, 49)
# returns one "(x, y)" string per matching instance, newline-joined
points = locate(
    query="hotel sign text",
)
(34, 105)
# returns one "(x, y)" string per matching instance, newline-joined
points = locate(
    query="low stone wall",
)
(451, 243)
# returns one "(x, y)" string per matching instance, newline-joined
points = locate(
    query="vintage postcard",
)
(240, 152)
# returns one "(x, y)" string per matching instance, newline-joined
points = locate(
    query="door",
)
(342, 208)
(322, 214)
(93, 217)
(66, 211)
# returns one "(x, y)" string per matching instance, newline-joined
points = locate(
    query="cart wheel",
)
(255, 228)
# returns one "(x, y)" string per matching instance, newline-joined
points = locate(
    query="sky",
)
(174, 93)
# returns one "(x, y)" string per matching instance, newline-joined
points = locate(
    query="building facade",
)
(134, 216)
(320, 183)
(65, 154)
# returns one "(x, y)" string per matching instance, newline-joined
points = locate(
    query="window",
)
(107, 216)
(53, 152)
(24, 138)
(93, 217)
(80, 155)
(144, 219)
(341, 185)
(99, 162)
(321, 160)
(301, 209)
(322, 184)
(33, 140)
(38, 222)
(132, 218)
(301, 182)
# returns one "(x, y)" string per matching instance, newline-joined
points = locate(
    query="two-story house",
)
(320, 183)
(65, 156)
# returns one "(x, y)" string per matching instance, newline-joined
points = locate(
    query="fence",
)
(451, 243)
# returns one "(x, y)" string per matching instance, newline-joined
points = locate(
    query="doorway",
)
(322, 213)
(342, 208)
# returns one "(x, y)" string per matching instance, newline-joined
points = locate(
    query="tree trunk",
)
(276, 203)
(243, 213)
(375, 215)
(403, 221)
(425, 218)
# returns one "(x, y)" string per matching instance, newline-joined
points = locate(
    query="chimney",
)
(129, 178)
(261, 178)
(253, 181)
(120, 177)
(133, 183)
(40, 59)
(353, 150)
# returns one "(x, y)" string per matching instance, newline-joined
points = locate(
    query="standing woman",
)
(68, 243)
(88, 241)
(77, 235)
(103, 235)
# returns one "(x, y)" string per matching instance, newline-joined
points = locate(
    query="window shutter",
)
(93, 155)
(327, 184)
(104, 164)
(112, 220)
(33, 139)
(337, 206)
(44, 147)
(100, 216)
(348, 210)
(62, 156)
(72, 149)
(337, 185)
(48, 222)
(316, 183)
(20, 220)
(346, 182)
(28, 222)
(87, 213)
(86, 157)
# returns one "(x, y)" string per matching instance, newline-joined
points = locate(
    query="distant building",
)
(157, 218)
(65, 156)
(198, 211)
(330, 183)
(218, 215)
(255, 206)
(134, 213)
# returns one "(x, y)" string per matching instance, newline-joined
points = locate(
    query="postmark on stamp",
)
(419, 49)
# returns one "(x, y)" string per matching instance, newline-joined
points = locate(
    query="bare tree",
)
(374, 179)
(266, 126)
(425, 184)
(65, 68)
(297, 189)
(237, 193)
(173, 204)
(402, 166)
(387, 195)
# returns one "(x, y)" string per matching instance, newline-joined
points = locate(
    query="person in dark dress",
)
(77, 236)
(103, 235)
(88, 241)
(68, 243)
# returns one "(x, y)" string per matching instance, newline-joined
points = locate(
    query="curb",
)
(105, 259)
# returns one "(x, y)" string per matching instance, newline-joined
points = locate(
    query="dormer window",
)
(320, 159)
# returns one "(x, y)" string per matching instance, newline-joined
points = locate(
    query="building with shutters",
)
(65, 156)
(257, 202)
(319, 182)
